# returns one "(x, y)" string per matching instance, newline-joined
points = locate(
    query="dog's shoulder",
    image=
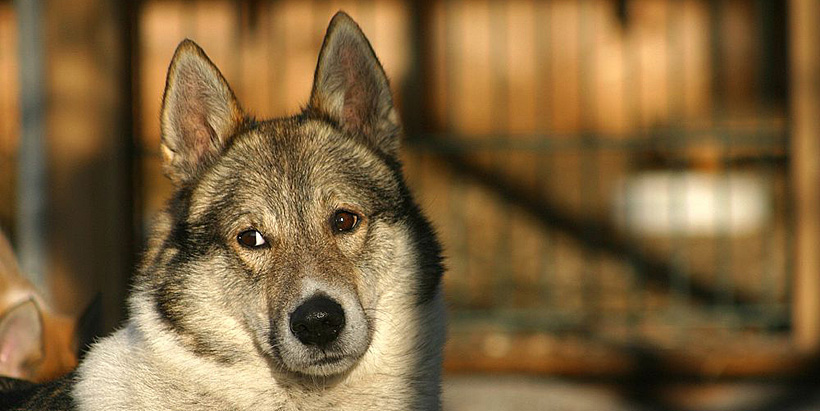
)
(23, 395)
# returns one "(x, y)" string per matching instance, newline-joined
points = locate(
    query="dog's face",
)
(284, 234)
(302, 211)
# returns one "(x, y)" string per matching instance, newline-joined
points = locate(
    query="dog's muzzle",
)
(323, 334)
(318, 321)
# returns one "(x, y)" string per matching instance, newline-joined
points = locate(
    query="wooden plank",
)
(89, 140)
(9, 117)
(804, 23)
(31, 190)
(764, 357)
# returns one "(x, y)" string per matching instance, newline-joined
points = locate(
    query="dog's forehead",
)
(309, 149)
(287, 160)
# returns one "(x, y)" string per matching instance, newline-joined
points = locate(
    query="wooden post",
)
(804, 32)
(90, 156)
(31, 179)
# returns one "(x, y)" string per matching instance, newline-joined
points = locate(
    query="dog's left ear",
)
(351, 88)
(199, 114)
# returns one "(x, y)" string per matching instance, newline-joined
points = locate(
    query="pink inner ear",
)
(7, 350)
(358, 99)
(20, 339)
(197, 132)
(199, 112)
(355, 104)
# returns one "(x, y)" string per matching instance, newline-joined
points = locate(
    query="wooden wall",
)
(522, 69)
(9, 114)
(804, 25)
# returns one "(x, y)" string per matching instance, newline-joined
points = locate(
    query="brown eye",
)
(344, 221)
(251, 239)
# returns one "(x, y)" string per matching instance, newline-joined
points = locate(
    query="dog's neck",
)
(129, 370)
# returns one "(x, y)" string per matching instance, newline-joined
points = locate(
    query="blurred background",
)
(627, 190)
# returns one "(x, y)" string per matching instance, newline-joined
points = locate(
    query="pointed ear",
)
(88, 327)
(199, 114)
(21, 339)
(351, 88)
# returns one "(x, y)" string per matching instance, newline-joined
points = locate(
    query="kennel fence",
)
(602, 173)
(543, 203)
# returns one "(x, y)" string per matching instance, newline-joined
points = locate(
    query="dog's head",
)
(285, 235)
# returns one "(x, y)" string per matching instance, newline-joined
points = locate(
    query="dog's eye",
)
(344, 221)
(251, 239)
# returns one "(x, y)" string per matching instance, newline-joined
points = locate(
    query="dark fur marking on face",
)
(425, 240)
(429, 255)
(188, 241)
(169, 297)
(273, 341)
(204, 348)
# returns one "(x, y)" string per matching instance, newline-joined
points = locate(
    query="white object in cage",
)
(692, 203)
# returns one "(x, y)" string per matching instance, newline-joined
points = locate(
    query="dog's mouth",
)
(329, 360)
(315, 362)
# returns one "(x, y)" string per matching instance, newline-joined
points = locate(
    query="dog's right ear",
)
(199, 114)
(21, 339)
(351, 88)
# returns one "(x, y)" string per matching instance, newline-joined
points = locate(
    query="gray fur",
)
(208, 326)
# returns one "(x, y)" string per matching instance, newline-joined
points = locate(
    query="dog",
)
(291, 269)
(36, 343)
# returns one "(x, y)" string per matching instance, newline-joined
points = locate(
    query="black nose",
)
(317, 321)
